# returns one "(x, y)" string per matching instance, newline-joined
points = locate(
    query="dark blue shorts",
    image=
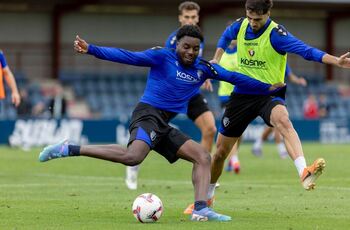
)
(150, 125)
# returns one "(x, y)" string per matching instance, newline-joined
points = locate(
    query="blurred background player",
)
(198, 110)
(6, 75)
(281, 148)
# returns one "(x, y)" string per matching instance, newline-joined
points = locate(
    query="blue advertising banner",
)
(39, 132)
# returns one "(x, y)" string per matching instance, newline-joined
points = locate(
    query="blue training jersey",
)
(170, 85)
(281, 40)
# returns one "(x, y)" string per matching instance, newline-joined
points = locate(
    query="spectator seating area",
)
(113, 95)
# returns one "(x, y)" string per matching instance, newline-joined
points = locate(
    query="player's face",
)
(189, 17)
(257, 21)
(188, 49)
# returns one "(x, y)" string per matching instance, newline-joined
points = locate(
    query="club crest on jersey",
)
(251, 52)
(225, 121)
(153, 135)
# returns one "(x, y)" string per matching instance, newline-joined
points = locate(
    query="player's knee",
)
(284, 122)
(222, 150)
(210, 130)
(203, 158)
(132, 159)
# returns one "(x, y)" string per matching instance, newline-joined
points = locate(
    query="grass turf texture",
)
(82, 193)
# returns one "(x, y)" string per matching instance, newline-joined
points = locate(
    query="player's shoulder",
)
(281, 30)
(239, 20)
(208, 66)
(1, 52)
(157, 48)
(162, 51)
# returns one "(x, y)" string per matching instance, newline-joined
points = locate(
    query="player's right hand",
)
(80, 45)
(277, 86)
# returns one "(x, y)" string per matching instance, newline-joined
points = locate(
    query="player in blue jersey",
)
(198, 110)
(6, 75)
(262, 49)
(174, 77)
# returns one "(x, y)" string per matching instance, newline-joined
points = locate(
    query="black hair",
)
(188, 5)
(259, 6)
(191, 31)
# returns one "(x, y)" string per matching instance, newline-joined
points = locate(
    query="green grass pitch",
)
(82, 193)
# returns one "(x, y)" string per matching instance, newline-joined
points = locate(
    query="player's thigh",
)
(239, 112)
(271, 110)
(169, 144)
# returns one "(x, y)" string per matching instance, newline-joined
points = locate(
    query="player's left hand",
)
(207, 85)
(16, 99)
(344, 60)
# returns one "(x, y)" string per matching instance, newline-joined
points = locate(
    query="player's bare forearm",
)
(218, 54)
(343, 61)
(11, 82)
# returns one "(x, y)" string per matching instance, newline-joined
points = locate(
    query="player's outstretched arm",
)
(241, 80)
(145, 58)
(343, 61)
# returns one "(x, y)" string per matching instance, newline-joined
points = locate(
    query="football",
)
(147, 208)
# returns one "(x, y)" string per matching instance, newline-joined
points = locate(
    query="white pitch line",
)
(111, 181)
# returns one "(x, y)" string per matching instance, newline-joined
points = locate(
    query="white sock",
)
(300, 164)
(258, 143)
(281, 148)
(211, 191)
(135, 168)
(234, 158)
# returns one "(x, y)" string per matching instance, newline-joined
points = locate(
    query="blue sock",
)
(74, 150)
(199, 205)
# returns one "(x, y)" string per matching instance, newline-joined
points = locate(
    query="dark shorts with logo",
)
(242, 109)
(197, 106)
(157, 133)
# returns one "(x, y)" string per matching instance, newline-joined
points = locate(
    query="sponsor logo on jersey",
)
(253, 63)
(186, 77)
(251, 43)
